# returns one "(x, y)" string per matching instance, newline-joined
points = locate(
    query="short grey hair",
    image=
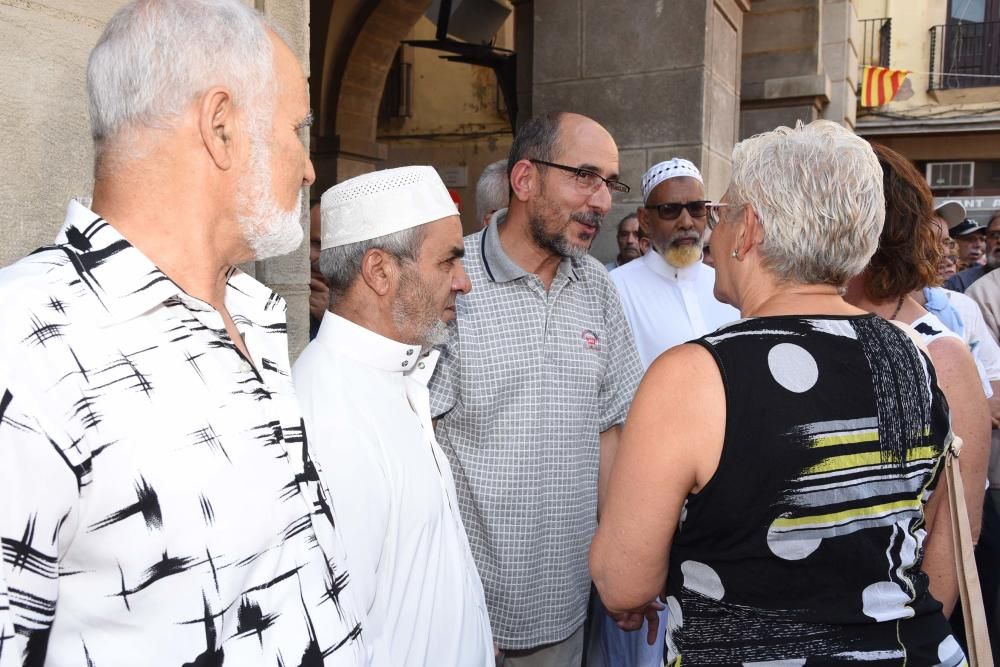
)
(817, 190)
(341, 265)
(156, 56)
(492, 189)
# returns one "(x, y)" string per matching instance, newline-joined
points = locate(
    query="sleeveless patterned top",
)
(805, 547)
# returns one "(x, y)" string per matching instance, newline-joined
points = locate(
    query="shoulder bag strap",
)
(976, 635)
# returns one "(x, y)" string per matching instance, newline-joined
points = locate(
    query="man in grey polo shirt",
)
(533, 386)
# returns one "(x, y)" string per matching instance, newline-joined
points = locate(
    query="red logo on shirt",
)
(590, 339)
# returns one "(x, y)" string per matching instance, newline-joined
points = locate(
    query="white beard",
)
(268, 230)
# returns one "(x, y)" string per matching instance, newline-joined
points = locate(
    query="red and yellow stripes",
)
(880, 84)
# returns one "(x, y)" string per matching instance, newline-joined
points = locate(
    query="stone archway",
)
(353, 58)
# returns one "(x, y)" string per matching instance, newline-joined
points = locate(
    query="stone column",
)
(662, 77)
(841, 35)
(800, 62)
(783, 78)
(288, 275)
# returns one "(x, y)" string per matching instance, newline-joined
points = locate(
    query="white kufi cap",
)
(673, 168)
(381, 203)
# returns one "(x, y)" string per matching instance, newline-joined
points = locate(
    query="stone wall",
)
(841, 45)
(800, 63)
(662, 77)
(46, 153)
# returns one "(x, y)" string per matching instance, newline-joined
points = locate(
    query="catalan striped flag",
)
(880, 84)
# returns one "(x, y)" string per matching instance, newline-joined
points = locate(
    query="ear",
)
(217, 125)
(380, 271)
(523, 179)
(641, 213)
(751, 231)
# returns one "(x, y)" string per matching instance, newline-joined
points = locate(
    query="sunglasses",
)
(672, 210)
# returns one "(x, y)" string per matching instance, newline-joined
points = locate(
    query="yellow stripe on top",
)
(848, 461)
(818, 520)
(852, 437)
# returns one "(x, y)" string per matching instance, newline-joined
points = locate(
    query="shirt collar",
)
(344, 337)
(499, 266)
(128, 284)
(656, 263)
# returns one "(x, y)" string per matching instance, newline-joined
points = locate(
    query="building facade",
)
(946, 116)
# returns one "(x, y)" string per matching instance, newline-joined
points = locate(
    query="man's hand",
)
(630, 621)
(319, 296)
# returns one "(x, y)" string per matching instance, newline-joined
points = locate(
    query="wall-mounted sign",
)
(978, 207)
(456, 176)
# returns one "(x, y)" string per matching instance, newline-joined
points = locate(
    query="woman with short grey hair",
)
(775, 478)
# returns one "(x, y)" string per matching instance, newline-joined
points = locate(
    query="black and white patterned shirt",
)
(525, 387)
(158, 505)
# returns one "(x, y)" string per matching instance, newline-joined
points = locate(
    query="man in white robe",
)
(391, 253)
(667, 293)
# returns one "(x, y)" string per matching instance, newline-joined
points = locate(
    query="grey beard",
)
(437, 334)
(557, 243)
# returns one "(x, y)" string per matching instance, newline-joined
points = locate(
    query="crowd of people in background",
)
(496, 449)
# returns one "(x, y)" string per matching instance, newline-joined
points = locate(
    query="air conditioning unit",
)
(950, 175)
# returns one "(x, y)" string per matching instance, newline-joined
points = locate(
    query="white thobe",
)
(667, 306)
(367, 413)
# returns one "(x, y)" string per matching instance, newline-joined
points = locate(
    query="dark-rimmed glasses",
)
(587, 180)
(672, 210)
(714, 211)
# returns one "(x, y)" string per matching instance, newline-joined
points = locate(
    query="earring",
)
(736, 255)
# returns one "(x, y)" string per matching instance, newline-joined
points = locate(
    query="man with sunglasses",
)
(532, 387)
(667, 294)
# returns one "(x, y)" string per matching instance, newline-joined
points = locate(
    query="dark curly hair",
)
(908, 249)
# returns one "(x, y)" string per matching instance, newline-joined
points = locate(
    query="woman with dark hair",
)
(779, 477)
(906, 261)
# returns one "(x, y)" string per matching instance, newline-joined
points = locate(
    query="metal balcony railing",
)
(965, 55)
(876, 41)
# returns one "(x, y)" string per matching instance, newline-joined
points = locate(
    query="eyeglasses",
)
(993, 236)
(672, 210)
(714, 214)
(586, 180)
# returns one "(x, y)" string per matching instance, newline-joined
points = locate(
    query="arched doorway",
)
(354, 43)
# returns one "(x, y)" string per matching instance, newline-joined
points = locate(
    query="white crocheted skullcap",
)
(673, 168)
(381, 203)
